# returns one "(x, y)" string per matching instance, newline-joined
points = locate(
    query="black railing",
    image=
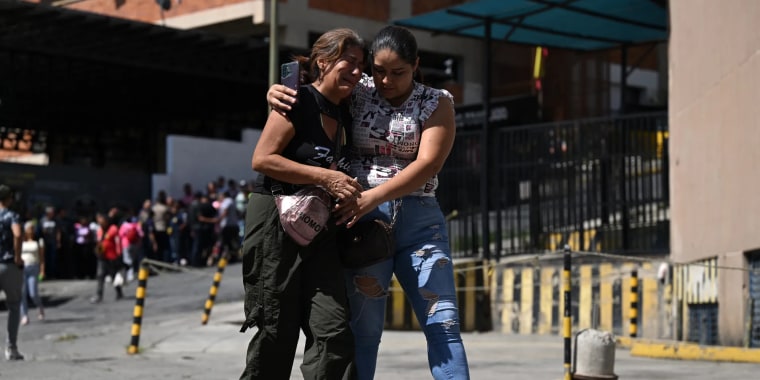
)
(596, 184)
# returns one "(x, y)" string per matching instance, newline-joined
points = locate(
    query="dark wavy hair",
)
(329, 47)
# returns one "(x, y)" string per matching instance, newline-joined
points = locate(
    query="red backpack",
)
(132, 233)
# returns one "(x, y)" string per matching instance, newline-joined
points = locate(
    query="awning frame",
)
(517, 21)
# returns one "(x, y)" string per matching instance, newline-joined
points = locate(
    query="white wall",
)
(200, 160)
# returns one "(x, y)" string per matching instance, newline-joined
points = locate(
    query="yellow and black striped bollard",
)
(567, 314)
(142, 282)
(634, 313)
(214, 287)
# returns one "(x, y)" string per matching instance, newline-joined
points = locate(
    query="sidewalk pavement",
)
(177, 346)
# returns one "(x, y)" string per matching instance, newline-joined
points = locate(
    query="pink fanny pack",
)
(304, 214)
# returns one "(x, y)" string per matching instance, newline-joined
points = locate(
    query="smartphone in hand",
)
(290, 75)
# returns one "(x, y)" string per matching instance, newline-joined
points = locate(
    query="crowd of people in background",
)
(193, 228)
(197, 228)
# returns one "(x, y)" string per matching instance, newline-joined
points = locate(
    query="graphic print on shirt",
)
(322, 154)
(404, 134)
(387, 138)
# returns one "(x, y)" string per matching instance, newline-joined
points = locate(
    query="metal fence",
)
(596, 184)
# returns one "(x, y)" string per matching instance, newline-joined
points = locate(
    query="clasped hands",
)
(346, 191)
(351, 204)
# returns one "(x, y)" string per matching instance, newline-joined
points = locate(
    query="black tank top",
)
(310, 144)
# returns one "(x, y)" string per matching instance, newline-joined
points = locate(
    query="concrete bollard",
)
(594, 355)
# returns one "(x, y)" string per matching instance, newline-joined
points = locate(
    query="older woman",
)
(289, 287)
(403, 132)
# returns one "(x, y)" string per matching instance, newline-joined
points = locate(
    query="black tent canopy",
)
(101, 85)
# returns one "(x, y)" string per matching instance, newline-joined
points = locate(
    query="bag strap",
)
(334, 111)
(331, 110)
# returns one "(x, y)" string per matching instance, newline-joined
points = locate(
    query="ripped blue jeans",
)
(424, 268)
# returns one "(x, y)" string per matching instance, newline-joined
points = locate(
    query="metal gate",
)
(754, 294)
(703, 323)
(596, 184)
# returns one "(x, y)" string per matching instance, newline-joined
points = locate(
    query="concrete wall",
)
(524, 296)
(200, 160)
(733, 304)
(714, 127)
(714, 140)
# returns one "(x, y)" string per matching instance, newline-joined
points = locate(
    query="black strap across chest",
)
(334, 111)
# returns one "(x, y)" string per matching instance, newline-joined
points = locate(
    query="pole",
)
(484, 141)
(214, 288)
(623, 78)
(274, 43)
(566, 319)
(142, 283)
(634, 313)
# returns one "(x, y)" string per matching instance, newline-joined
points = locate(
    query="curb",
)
(688, 351)
(624, 342)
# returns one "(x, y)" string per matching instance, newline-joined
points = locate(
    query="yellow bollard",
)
(567, 316)
(634, 313)
(214, 287)
(142, 282)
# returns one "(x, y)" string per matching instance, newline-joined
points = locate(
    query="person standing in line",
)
(232, 188)
(33, 255)
(145, 217)
(211, 191)
(241, 200)
(66, 262)
(11, 270)
(160, 235)
(403, 132)
(84, 248)
(50, 230)
(230, 230)
(289, 287)
(109, 255)
(187, 194)
(206, 237)
(193, 211)
(220, 186)
(130, 235)
(176, 229)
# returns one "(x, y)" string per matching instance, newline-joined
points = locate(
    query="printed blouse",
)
(387, 138)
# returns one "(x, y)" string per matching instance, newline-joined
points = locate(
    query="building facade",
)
(715, 132)
(576, 84)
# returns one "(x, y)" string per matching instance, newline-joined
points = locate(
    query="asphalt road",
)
(83, 341)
